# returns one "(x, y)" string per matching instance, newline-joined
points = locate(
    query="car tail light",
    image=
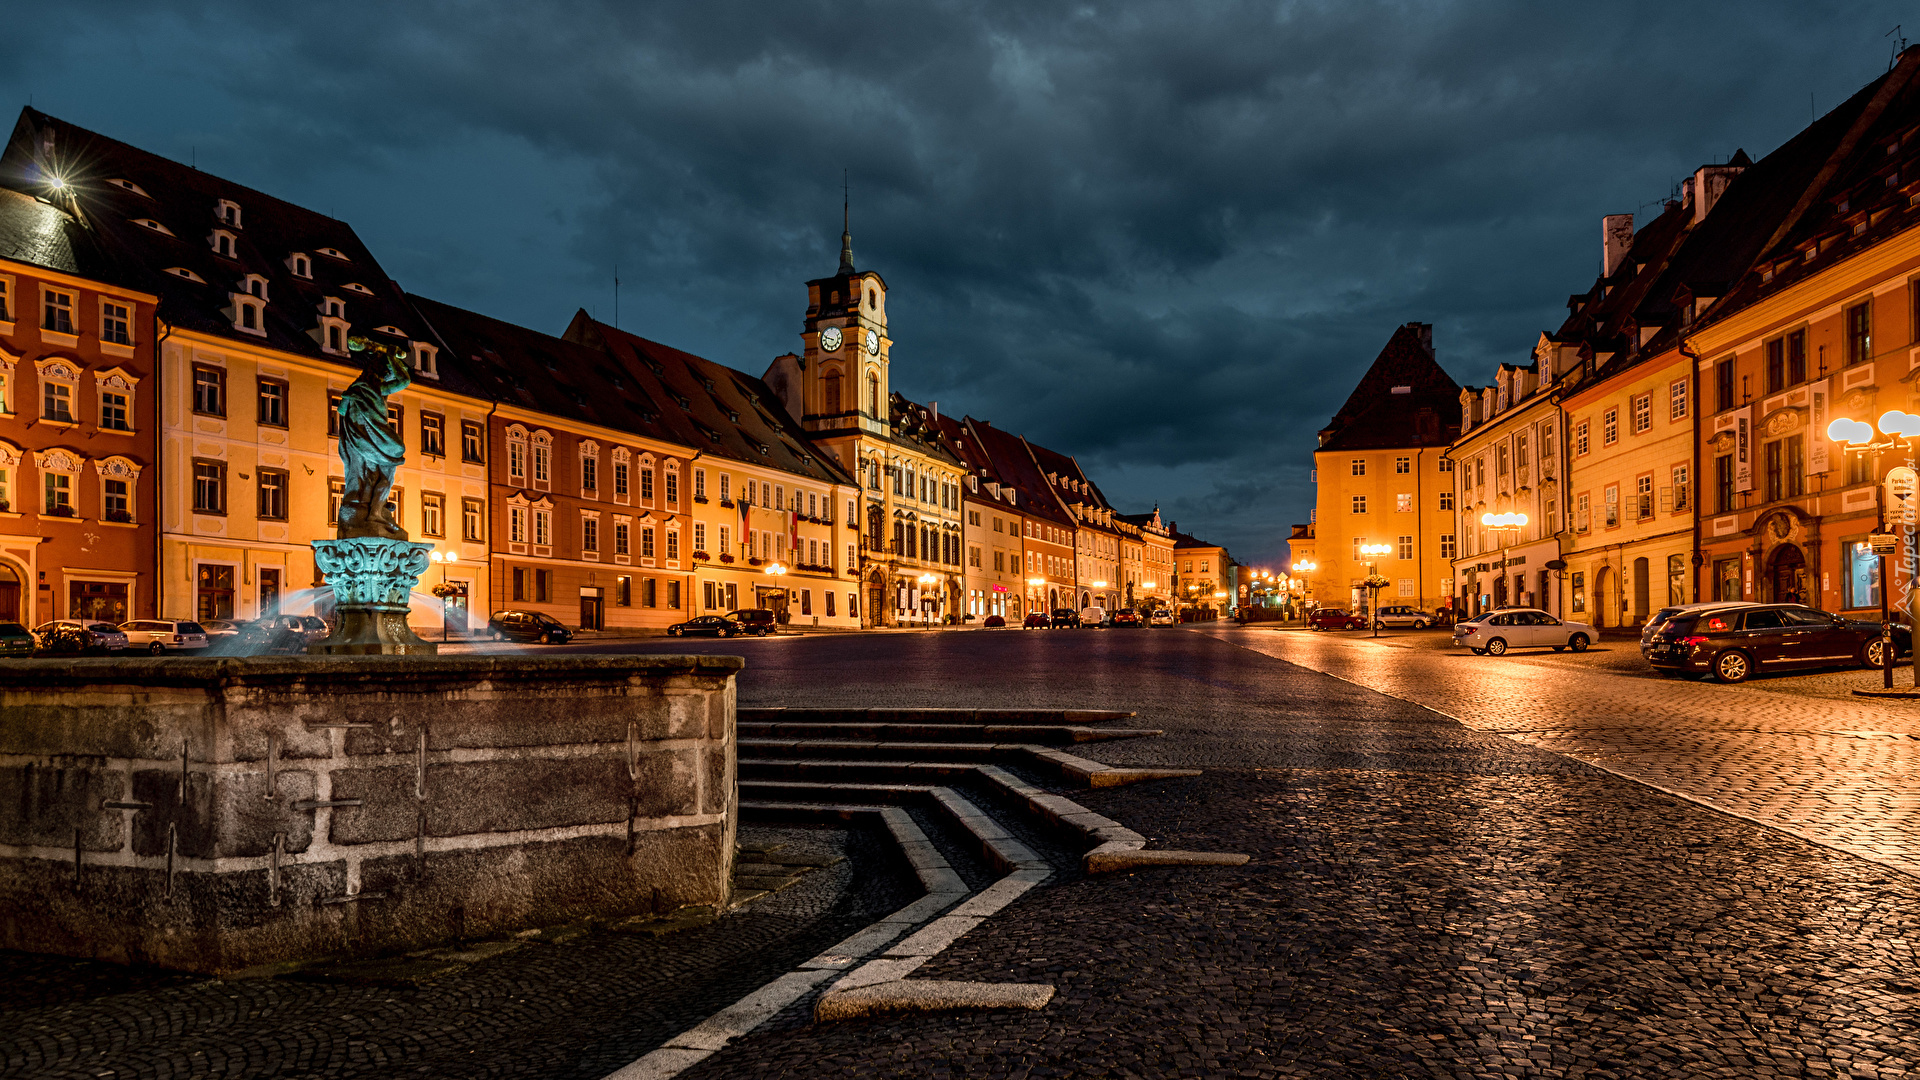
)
(177, 637)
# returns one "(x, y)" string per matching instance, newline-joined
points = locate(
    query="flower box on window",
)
(61, 511)
(700, 498)
(726, 558)
(701, 556)
(120, 516)
(751, 561)
(726, 502)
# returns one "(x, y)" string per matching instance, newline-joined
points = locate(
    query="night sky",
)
(1165, 238)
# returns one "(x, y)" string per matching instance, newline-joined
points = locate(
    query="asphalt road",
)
(1431, 893)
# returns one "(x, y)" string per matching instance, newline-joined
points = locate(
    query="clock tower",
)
(838, 383)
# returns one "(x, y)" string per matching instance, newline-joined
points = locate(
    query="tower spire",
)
(846, 229)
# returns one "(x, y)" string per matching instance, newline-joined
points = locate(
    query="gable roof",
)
(1404, 399)
(178, 203)
(714, 409)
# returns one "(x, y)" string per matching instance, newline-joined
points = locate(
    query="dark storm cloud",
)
(1163, 237)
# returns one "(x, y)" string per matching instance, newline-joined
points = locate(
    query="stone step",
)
(947, 756)
(999, 847)
(933, 716)
(1053, 734)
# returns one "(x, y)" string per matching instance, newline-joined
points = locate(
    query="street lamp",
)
(1901, 481)
(444, 591)
(1374, 581)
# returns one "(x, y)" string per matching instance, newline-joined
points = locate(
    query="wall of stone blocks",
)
(220, 814)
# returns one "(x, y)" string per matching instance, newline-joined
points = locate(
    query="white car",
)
(1404, 616)
(1161, 617)
(1521, 628)
(1093, 615)
(162, 635)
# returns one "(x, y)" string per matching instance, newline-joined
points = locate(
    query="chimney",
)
(1709, 183)
(1425, 330)
(934, 408)
(1616, 236)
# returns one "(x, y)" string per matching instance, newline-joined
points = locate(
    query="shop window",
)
(1862, 575)
(1578, 584)
(102, 600)
(214, 589)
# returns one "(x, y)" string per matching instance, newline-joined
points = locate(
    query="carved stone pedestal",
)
(371, 578)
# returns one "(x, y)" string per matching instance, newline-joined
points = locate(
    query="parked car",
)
(707, 626)
(159, 636)
(1126, 616)
(1734, 643)
(15, 640)
(65, 639)
(1333, 618)
(755, 620)
(993, 622)
(1093, 615)
(1065, 617)
(1521, 628)
(1036, 620)
(1659, 618)
(1161, 617)
(110, 639)
(518, 625)
(219, 628)
(1405, 616)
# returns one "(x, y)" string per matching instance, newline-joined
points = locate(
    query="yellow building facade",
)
(1382, 477)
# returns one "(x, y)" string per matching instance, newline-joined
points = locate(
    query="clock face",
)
(830, 339)
(873, 343)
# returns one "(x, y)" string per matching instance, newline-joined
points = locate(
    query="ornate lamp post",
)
(1900, 483)
(1374, 581)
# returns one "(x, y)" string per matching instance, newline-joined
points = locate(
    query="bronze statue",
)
(369, 449)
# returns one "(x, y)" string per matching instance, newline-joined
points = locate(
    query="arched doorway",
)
(1785, 572)
(1602, 596)
(1053, 599)
(1086, 600)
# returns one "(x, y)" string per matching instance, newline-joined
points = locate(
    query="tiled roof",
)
(153, 218)
(711, 407)
(1011, 458)
(38, 233)
(1425, 410)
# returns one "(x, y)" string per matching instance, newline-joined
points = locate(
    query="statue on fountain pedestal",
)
(370, 564)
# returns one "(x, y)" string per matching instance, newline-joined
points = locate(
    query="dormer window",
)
(222, 241)
(331, 332)
(128, 185)
(249, 314)
(426, 359)
(300, 265)
(333, 309)
(254, 285)
(390, 329)
(227, 212)
(359, 288)
(333, 253)
(149, 223)
(183, 272)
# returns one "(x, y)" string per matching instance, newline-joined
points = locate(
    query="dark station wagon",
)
(1732, 644)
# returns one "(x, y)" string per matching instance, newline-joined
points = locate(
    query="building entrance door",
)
(1787, 570)
(593, 609)
(9, 595)
(269, 590)
(1642, 589)
(1603, 611)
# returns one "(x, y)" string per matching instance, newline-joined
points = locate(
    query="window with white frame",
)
(542, 527)
(59, 483)
(116, 403)
(622, 464)
(589, 533)
(646, 541)
(222, 243)
(542, 460)
(646, 478)
(433, 513)
(1358, 466)
(59, 381)
(1403, 503)
(9, 467)
(1446, 546)
(1677, 400)
(517, 524)
(699, 536)
(117, 478)
(590, 470)
(517, 455)
(57, 311)
(115, 323)
(6, 299)
(426, 359)
(1642, 413)
(301, 266)
(670, 482)
(673, 544)
(1359, 504)
(699, 485)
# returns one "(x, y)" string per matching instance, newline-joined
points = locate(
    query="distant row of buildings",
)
(173, 347)
(1668, 442)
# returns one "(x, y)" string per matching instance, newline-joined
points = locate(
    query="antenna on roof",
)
(1899, 45)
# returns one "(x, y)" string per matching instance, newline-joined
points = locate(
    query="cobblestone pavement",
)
(1425, 899)
(1797, 752)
